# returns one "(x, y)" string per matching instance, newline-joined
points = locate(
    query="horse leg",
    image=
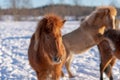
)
(105, 66)
(67, 65)
(101, 72)
(106, 56)
(108, 70)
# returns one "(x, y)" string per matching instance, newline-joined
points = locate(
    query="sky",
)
(39, 3)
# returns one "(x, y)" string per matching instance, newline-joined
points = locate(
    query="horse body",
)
(89, 33)
(108, 56)
(46, 51)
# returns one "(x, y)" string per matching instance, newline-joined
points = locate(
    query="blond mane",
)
(112, 9)
(100, 12)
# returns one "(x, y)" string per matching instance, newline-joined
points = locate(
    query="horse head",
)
(103, 18)
(49, 37)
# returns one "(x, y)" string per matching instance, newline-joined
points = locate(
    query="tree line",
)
(23, 8)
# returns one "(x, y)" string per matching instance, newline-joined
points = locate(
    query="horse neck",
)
(84, 25)
(79, 37)
(86, 32)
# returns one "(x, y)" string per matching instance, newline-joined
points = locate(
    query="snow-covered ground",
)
(14, 65)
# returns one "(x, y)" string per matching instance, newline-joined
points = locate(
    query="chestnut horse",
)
(89, 33)
(46, 51)
(108, 56)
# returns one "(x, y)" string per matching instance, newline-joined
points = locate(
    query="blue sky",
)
(37, 3)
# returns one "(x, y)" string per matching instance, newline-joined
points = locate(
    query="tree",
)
(12, 4)
(20, 4)
(51, 2)
(17, 5)
(77, 2)
(61, 1)
(25, 4)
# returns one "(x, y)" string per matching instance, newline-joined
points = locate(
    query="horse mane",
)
(49, 23)
(111, 9)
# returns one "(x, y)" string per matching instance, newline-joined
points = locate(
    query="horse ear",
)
(64, 21)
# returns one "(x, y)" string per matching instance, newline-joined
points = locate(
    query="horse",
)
(46, 52)
(109, 56)
(89, 33)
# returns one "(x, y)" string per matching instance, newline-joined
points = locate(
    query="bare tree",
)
(13, 6)
(20, 4)
(51, 2)
(12, 3)
(25, 4)
(76, 2)
(61, 1)
(112, 3)
(17, 5)
(115, 3)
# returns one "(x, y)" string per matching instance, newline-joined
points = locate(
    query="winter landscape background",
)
(14, 65)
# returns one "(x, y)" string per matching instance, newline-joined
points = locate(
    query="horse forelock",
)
(53, 20)
(49, 23)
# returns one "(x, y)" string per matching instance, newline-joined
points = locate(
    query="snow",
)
(14, 65)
